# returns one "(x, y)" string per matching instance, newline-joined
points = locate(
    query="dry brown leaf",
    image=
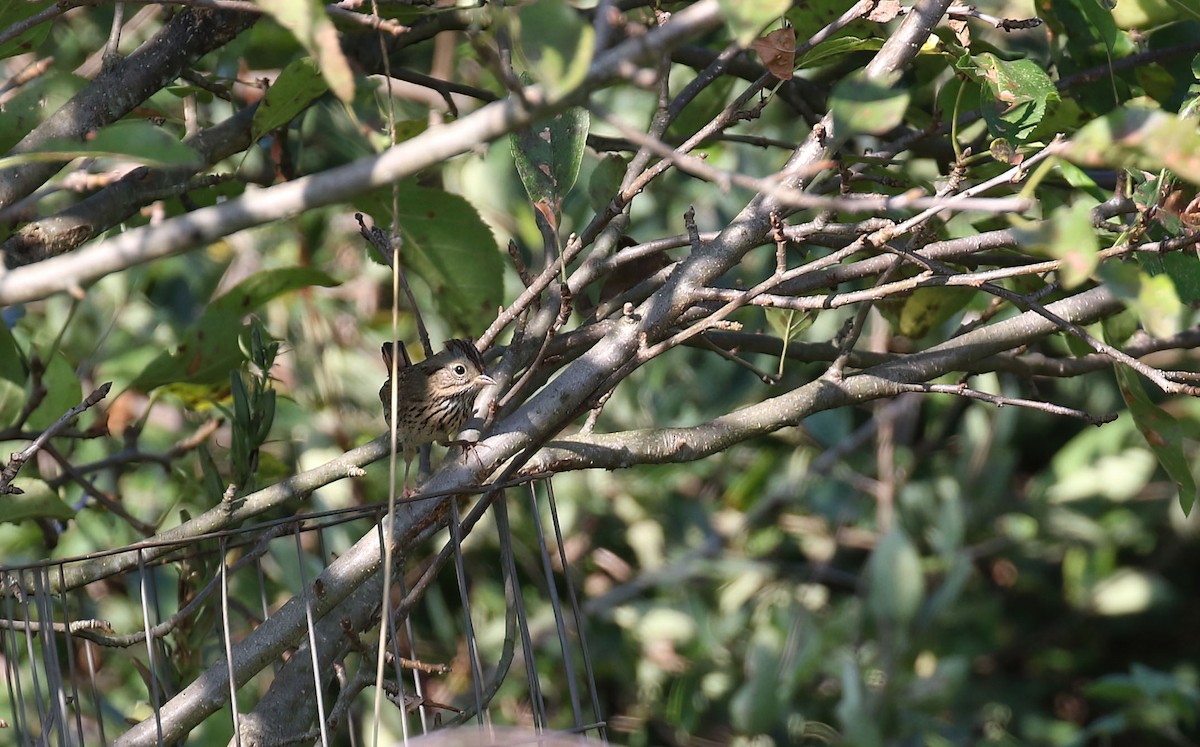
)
(777, 50)
(961, 32)
(884, 11)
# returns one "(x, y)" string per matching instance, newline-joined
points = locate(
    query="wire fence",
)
(109, 662)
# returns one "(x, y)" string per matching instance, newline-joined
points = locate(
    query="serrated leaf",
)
(310, 24)
(1162, 433)
(547, 155)
(298, 85)
(747, 19)
(862, 105)
(1013, 94)
(447, 244)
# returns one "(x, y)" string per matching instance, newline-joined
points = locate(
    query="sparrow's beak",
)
(484, 380)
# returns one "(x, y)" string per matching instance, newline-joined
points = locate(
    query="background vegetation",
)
(808, 313)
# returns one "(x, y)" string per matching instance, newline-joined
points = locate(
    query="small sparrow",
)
(434, 397)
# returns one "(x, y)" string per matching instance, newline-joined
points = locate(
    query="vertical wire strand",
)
(12, 665)
(576, 611)
(35, 694)
(312, 639)
(143, 585)
(89, 651)
(56, 706)
(537, 701)
(227, 640)
(418, 686)
(70, 645)
(469, 626)
(556, 605)
(393, 436)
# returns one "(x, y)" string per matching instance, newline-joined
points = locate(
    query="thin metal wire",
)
(40, 687)
(469, 627)
(56, 706)
(537, 701)
(312, 640)
(71, 669)
(227, 639)
(556, 605)
(90, 649)
(418, 686)
(154, 702)
(388, 617)
(12, 672)
(33, 675)
(576, 610)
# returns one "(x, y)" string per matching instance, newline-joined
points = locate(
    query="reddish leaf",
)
(777, 50)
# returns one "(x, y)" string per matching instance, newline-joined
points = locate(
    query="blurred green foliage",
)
(929, 570)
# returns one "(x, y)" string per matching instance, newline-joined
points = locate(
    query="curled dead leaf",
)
(777, 50)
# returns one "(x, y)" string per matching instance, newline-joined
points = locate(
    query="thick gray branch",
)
(117, 90)
(186, 232)
(88, 218)
(668, 445)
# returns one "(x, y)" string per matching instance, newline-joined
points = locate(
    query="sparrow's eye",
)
(460, 369)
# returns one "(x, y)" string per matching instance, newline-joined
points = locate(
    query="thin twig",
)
(18, 459)
(962, 390)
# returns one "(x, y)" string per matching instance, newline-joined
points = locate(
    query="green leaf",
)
(1073, 241)
(198, 369)
(1013, 94)
(38, 501)
(555, 44)
(547, 155)
(1162, 433)
(834, 49)
(136, 140)
(747, 19)
(261, 287)
(309, 23)
(447, 244)
(896, 582)
(298, 85)
(14, 11)
(63, 392)
(1067, 236)
(861, 105)
(12, 378)
(1139, 138)
(605, 181)
(1184, 271)
(1158, 306)
(926, 308)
